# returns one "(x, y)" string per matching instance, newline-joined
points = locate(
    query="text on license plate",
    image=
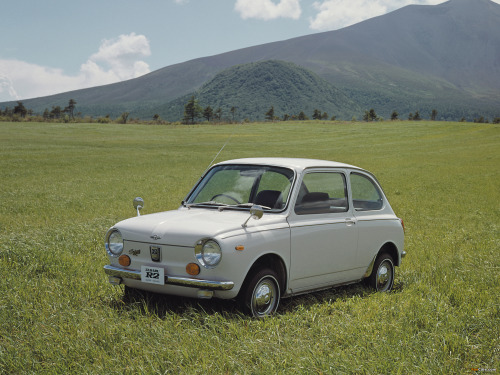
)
(153, 275)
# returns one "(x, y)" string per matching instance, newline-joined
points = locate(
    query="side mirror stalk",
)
(138, 205)
(256, 212)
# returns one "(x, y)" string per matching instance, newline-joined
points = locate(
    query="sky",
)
(53, 46)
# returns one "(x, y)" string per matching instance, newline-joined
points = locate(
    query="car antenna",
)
(222, 148)
(212, 162)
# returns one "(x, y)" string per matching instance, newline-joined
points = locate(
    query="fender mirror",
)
(256, 212)
(138, 204)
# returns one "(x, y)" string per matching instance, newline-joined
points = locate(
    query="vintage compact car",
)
(260, 229)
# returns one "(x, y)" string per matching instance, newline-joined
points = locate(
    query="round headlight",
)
(114, 243)
(211, 253)
(208, 253)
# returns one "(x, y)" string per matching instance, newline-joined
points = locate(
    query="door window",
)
(321, 193)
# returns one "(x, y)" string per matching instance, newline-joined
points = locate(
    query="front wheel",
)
(382, 277)
(261, 296)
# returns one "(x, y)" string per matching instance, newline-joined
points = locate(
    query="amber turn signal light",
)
(240, 248)
(193, 269)
(124, 260)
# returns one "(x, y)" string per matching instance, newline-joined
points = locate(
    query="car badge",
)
(155, 237)
(155, 253)
(134, 252)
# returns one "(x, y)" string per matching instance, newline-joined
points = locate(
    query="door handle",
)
(350, 221)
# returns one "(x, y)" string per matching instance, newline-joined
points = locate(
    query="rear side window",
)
(366, 195)
(322, 193)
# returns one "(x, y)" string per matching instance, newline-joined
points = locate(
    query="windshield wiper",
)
(209, 203)
(223, 206)
(242, 205)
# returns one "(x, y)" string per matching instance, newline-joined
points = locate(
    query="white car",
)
(261, 229)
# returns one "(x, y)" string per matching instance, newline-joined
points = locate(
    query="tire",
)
(261, 295)
(382, 277)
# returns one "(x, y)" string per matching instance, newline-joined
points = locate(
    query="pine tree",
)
(20, 109)
(70, 108)
(316, 115)
(218, 114)
(270, 114)
(192, 111)
(208, 113)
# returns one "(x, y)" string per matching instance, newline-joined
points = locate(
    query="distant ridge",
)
(420, 57)
(254, 88)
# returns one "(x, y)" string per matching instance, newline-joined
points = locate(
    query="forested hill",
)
(418, 58)
(252, 89)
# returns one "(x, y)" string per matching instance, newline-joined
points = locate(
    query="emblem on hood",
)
(155, 237)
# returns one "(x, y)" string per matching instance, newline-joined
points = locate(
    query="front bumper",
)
(121, 273)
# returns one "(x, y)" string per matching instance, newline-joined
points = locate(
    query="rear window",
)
(366, 195)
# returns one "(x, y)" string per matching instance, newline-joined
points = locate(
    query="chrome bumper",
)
(122, 273)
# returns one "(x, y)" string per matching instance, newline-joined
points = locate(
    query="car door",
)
(375, 219)
(323, 231)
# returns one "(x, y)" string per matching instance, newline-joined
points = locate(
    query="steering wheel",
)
(227, 196)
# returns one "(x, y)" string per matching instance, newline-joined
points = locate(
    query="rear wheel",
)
(261, 295)
(382, 277)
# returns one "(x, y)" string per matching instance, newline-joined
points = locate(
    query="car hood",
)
(184, 227)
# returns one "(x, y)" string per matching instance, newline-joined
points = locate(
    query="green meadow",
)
(63, 185)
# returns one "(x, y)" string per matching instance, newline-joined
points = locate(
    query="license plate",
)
(153, 275)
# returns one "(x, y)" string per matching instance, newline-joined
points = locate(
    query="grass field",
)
(62, 186)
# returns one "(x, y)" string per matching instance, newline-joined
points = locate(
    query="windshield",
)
(244, 185)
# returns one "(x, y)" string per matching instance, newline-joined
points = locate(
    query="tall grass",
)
(63, 185)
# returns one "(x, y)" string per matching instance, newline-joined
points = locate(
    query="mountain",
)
(253, 88)
(420, 57)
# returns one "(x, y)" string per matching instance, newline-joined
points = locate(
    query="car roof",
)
(297, 164)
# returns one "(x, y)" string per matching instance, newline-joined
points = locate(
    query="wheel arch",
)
(388, 248)
(391, 249)
(274, 262)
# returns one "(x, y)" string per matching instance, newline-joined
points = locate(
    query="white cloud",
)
(335, 14)
(122, 56)
(268, 9)
(7, 86)
(23, 80)
(117, 60)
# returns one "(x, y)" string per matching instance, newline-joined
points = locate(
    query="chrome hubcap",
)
(384, 276)
(264, 297)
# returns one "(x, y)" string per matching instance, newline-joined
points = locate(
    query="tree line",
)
(57, 114)
(193, 112)
(21, 112)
